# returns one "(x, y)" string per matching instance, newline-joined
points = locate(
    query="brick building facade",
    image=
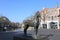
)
(49, 18)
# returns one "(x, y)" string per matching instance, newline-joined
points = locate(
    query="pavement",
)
(48, 34)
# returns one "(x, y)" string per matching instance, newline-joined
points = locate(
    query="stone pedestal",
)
(23, 38)
(31, 37)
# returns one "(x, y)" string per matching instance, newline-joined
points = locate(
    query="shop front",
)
(53, 25)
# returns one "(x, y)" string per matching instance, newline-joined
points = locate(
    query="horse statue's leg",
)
(36, 30)
(25, 29)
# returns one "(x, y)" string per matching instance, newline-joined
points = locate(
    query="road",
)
(9, 34)
(41, 32)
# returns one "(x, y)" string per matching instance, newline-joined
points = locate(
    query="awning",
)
(52, 23)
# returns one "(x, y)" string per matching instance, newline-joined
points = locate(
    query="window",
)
(45, 26)
(48, 16)
(48, 11)
(52, 17)
(55, 16)
(54, 11)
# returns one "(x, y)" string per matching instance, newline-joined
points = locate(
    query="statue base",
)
(31, 37)
(23, 37)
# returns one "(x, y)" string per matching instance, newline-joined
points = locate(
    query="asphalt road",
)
(9, 34)
(51, 34)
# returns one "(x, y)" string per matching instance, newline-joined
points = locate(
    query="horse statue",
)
(32, 23)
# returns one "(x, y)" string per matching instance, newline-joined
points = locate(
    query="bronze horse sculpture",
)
(29, 23)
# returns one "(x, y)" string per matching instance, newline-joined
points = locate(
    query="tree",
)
(4, 20)
(4, 23)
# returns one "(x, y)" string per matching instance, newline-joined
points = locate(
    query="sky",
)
(19, 10)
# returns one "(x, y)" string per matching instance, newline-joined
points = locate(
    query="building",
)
(49, 18)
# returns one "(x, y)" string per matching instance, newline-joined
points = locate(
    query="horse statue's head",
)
(37, 15)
